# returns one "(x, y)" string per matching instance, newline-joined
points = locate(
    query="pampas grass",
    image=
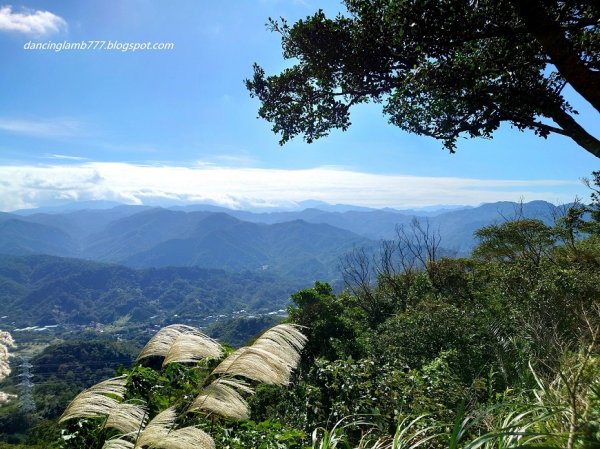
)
(185, 438)
(180, 343)
(270, 359)
(118, 443)
(159, 426)
(191, 348)
(97, 401)
(159, 433)
(127, 418)
(222, 397)
(6, 341)
(6, 397)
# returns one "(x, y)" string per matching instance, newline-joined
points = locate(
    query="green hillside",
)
(45, 290)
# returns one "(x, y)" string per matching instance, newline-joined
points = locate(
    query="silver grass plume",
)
(127, 417)
(97, 401)
(6, 341)
(6, 397)
(159, 426)
(119, 443)
(160, 433)
(255, 364)
(192, 346)
(270, 359)
(222, 397)
(185, 438)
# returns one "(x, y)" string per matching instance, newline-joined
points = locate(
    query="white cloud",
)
(66, 157)
(32, 186)
(60, 127)
(33, 23)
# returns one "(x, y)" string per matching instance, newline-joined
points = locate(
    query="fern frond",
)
(96, 401)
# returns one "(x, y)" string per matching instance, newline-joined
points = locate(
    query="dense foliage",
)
(164, 402)
(486, 346)
(501, 349)
(440, 68)
(60, 371)
(46, 290)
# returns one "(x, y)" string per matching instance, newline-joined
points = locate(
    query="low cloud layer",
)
(41, 128)
(34, 186)
(31, 23)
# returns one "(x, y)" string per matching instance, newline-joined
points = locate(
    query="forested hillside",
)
(59, 372)
(172, 279)
(46, 290)
(496, 350)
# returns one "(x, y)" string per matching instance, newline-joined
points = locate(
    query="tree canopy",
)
(443, 69)
(496, 351)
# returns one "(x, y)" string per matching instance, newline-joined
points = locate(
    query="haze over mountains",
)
(300, 244)
(145, 262)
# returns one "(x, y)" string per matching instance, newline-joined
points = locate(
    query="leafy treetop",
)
(440, 68)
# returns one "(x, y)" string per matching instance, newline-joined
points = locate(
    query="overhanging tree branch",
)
(440, 69)
(550, 35)
(575, 131)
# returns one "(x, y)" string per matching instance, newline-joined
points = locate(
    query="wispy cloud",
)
(60, 127)
(31, 186)
(66, 157)
(130, 148)
(234, 160)
(32, 23)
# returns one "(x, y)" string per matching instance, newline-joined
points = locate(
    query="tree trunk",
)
(549, 34)
(575, 131)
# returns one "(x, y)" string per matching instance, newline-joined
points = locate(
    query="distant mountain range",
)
(289, 207)
(305, 244)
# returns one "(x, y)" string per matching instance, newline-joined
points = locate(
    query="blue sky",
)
(178, 125)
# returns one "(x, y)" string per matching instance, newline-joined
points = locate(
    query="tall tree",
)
(441, 68)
